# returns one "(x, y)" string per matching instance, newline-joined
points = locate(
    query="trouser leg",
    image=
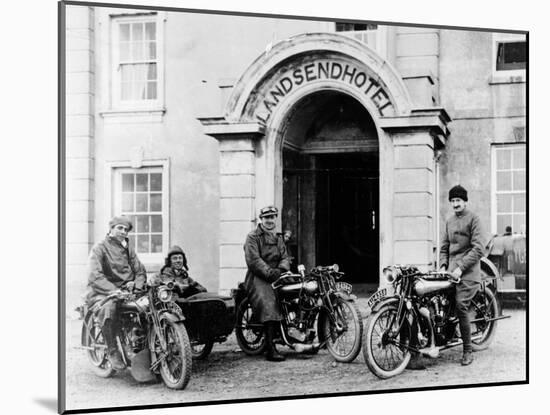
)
(271, 350)
(110, 330)
(465, 292)
(109, 334)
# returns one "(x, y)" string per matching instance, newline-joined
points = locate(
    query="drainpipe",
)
(437, 157)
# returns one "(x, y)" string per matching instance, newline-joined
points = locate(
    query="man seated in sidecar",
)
(209, 317)
(175, 270)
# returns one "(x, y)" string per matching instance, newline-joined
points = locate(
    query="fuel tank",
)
(423, 287)
(308, 286)
(289, 288)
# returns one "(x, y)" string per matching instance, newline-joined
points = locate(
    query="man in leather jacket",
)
(266, 258)
(113, 265)
(462, 247)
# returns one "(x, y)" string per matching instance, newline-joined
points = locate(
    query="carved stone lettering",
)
(319, 71)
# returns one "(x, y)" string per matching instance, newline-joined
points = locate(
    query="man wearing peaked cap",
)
(268, 211)
(113, 265)
(266, 258)
(462, 246)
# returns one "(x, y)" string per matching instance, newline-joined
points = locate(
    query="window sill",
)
(133, 115)
(498, 79)
(152, 267)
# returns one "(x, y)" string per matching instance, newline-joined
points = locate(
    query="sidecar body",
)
(209, 318)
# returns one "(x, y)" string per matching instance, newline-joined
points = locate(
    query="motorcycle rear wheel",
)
(382, 351)
(92, 338)
(200, 351)
(251, 340)
(175, 368)
(484, 306)
(343, 347)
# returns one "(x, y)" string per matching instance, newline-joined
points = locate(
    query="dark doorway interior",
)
(347, 214)
(331, 206)
(330, 185)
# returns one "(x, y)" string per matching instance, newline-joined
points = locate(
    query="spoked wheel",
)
(175, 365)
(484, 307)
(385, 346)
(343, 338)
(94, 342)
(250, 335)
(200, 351)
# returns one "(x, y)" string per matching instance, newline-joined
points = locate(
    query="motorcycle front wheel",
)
(96, 347)
(250, 335)
(385, 347)
(483, 308)
(175, 366)
(343, 338)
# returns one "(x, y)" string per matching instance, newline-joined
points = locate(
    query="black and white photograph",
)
(280, 209)
(270, 207)
(341, 205)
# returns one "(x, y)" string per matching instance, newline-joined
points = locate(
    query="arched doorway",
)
(330, 166)
(324, 113)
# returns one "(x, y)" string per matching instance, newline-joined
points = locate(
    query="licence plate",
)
(378, 295)
(344, 286)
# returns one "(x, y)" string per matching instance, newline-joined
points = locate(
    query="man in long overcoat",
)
(266, 258)
(462, 247)
(113, 265)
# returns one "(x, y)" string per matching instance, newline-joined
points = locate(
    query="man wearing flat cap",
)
(113, 265)
(266, 258)
(462, 246)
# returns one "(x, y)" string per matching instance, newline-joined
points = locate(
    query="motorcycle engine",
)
(439, 309)
(298, 317)
(136, 338)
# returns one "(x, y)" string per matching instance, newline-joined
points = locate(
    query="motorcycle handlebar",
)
(446, 274)
(120, 295)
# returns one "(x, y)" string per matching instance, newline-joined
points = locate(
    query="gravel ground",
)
(230, 374)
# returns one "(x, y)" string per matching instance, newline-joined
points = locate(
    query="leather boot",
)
(271, 350)
(467, 358)
(109, 334)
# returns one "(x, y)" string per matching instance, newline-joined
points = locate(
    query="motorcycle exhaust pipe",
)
(430, 351)
(300, 347)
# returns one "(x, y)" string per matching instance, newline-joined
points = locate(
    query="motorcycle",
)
(209, 318)
(152, 338)
(317, 311)
(416, 314)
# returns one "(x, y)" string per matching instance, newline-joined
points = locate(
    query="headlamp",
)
(389, 274)
(164, 294)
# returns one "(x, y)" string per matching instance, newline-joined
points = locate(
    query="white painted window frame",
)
(136, 105)
(114, 201)
(494, 148)
(509, 75)
(381, 46)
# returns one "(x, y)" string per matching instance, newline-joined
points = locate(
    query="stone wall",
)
(79, 106)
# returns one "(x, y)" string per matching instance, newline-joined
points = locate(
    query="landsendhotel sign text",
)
(323, 70)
